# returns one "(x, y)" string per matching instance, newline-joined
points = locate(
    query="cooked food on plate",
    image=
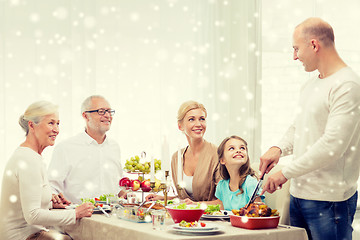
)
(157, 206)
(256, 209)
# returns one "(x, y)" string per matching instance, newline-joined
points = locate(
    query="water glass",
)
(112, 202)
(158, 219)
(131, 198)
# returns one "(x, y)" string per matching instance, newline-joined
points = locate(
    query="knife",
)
(254, 195)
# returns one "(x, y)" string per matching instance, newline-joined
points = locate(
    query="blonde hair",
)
(35, 112)
(188, 106)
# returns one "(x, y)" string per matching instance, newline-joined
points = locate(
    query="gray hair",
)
(86, 105)
(35, 112)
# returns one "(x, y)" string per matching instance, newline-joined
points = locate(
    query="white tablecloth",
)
(99, 227)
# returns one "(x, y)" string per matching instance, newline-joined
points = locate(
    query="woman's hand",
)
(59, 201)
(154, 197)
(84, 210)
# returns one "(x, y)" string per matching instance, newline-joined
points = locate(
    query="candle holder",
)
(164, 187)
(152, 185)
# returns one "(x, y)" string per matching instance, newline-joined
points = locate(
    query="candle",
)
(179, 167)
(152, 170)
(165, 159)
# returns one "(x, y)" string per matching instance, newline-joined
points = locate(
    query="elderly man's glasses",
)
(103, 111)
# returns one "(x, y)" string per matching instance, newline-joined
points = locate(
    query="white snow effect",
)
(224, 96)
(60, 13)
(54, 173)
(89, 22)
(13, 198)
(134, 17)
(215, 117)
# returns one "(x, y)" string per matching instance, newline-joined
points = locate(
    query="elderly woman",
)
(199, 160)
(26, 197)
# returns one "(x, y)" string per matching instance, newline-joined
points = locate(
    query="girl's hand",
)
(84, 210)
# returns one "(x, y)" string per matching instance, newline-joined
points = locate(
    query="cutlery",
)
(254, 195)
(105, 213)
(152, 204)
(284, 226)
(142, 204)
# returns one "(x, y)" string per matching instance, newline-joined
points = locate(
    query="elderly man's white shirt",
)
(82, 168)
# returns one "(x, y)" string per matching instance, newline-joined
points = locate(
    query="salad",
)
(97, 201)
(184, 206)
(184, 223)
(213, 210)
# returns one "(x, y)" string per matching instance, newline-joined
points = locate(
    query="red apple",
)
(125, 182)
(145, 186)
(135, 184)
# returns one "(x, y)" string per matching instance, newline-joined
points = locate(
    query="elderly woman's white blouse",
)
(26, 197)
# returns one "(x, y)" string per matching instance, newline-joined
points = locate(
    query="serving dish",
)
(254, 222)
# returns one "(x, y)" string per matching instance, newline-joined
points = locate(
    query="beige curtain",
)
(145, 56)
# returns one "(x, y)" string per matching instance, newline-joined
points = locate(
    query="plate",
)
(105, 207)
(218, 216)
(195, 231)
(191, 229)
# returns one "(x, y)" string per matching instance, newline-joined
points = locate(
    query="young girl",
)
(239, 180)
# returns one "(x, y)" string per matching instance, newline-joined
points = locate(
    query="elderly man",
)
(88, 164)
(324, 139)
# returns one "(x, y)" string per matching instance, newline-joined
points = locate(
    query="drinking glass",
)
(112, 201)
(158, 219)
(131, 198)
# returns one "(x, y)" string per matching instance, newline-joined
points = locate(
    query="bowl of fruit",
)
(137, 165)
(183, 212)
(256, 216)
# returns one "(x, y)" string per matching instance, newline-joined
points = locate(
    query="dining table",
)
(98, 227)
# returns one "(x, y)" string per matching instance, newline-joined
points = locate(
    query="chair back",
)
(280, 199)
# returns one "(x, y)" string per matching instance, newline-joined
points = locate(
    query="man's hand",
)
(269, 160)
(274, 182)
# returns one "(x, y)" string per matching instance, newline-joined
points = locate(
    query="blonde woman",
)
(200, 166)
(26, 197)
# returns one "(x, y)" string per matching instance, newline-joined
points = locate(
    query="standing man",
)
(88, 164)
(324, 139)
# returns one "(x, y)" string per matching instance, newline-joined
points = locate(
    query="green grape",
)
(147, 165)
(156, 166)
(138, 166)
(131, 163)
(137, 158)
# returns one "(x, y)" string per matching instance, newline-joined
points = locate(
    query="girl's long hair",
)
(244, 170)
